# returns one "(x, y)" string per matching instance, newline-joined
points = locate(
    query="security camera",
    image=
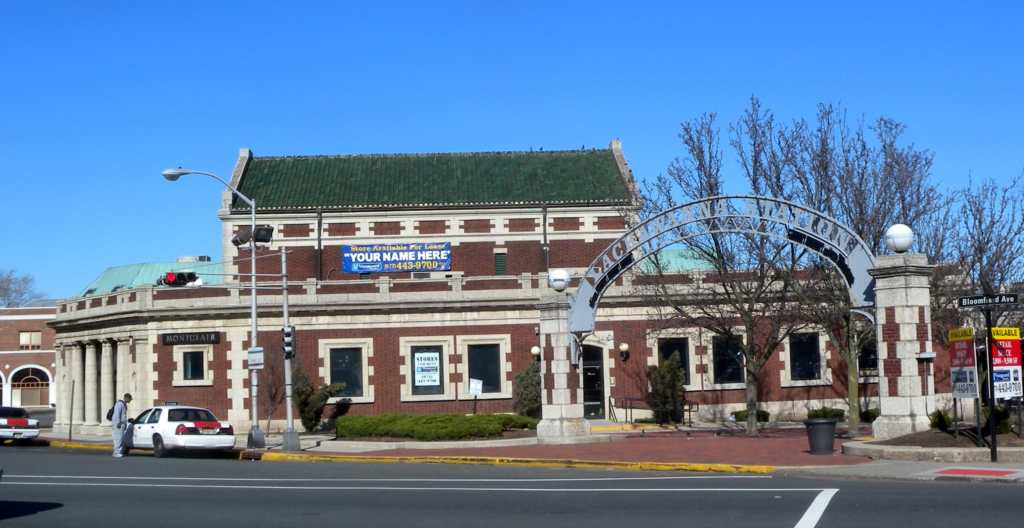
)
(558, 279)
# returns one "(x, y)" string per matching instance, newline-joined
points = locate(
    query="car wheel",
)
(159, 449)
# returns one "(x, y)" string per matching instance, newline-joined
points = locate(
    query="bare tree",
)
(273, 389)
(16, 290)
(745, 299)
(862, 176)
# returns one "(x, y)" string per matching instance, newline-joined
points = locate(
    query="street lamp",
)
(255, 440)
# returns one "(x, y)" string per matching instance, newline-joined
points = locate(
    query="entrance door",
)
(593, 382)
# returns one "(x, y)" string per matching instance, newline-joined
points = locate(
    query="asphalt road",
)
(55, 487)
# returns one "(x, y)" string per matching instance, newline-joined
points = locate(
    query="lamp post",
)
(255, 439)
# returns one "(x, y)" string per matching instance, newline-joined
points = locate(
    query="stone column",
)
(561, 383)
(78, 377)
(92, 413)
(106, 380)
(122, 366)
(903, 329)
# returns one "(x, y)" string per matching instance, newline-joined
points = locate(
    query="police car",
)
(17, 425)
(177, 428)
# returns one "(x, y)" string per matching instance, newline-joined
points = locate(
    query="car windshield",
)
(13, 413)
(190, 415)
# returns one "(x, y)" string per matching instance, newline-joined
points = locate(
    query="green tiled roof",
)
(419, 180)
(132, 275)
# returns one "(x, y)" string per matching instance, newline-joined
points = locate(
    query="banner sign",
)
(426, 369)
(396, 258)
(1006, 365)
(963, 364)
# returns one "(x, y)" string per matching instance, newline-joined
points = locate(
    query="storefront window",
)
(804, 357)
(347, 368)
(485, 365)
(427, 376)
(728, 361)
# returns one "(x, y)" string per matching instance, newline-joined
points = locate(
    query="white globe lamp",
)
(558, 279)
(899, 238)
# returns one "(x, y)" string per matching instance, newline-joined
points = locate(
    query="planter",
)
(821, 432)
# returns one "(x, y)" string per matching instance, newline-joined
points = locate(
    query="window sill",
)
(727, 386)
(349, 399)
(427, 397)
(192, 383)
(486, 396)
(820, 382)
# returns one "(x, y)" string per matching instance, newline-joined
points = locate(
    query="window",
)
(499, 264)
(193, 365)
(347, 368)
(154, 417)
(364, 276)
(485, 365)
(728, 361)
(142, 417)
(348, 361)
(867, 360)
(427, 375)
(804, 357)
(190, 415)
(31, 340)
(681, 346)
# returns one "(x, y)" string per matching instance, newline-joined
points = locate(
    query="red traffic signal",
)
(177, 278)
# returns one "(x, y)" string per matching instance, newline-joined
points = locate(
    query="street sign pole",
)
(290, 441)
(991, 384)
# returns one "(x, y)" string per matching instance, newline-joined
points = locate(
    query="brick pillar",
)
(561, 395)
(903, 329)
(106, 380)
(92, 409)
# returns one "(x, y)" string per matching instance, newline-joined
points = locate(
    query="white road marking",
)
(397, 488)
(229, 479)
(813, 513)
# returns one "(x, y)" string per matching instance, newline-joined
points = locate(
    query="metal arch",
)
(758, 215)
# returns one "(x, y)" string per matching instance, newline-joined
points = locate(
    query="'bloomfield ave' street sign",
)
(985, 300)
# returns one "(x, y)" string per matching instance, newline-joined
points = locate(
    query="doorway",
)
(593, 382)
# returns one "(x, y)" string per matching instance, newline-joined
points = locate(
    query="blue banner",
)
(396, 258)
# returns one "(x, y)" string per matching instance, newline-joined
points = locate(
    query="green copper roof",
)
(133, 275)
(438, 180)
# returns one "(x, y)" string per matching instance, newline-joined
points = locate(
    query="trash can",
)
(821, 432)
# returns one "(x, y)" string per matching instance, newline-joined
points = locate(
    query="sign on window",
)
(426, 369)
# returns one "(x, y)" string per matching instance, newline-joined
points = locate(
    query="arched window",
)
(30, 375)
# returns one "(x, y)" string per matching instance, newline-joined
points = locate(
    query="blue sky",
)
(98, 98)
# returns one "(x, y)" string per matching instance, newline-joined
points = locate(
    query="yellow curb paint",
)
(82, 446)
(529, 462)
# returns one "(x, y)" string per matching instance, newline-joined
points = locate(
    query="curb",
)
(525, 462)
(76, 445)
(931, 454)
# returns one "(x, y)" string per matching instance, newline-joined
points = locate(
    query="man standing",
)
(119, 422)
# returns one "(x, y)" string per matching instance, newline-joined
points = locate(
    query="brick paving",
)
(774, 447)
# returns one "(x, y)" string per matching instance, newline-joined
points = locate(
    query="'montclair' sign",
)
(396, 258)
(195, 338)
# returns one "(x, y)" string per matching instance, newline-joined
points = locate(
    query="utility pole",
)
(291, 437)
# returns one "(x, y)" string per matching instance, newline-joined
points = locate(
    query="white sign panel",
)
(426, 369)
(1007, 382)
(476, 387)
(256, 358)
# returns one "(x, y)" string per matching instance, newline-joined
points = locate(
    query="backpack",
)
(110, 413)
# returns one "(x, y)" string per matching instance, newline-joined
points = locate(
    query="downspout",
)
(547, 251)
(319, 243)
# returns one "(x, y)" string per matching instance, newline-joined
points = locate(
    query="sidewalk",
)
(705, 447)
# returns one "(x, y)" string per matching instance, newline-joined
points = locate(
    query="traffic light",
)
(177, 278)
(288, 341)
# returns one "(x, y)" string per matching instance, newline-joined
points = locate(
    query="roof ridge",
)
(425, 154)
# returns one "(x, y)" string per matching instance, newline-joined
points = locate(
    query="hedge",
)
(432, 426)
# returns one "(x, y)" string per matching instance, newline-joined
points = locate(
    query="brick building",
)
(27, 355)
(404, 340)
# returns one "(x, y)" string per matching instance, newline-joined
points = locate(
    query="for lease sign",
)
(962, 363)
(396, 258)
(1006, 365)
